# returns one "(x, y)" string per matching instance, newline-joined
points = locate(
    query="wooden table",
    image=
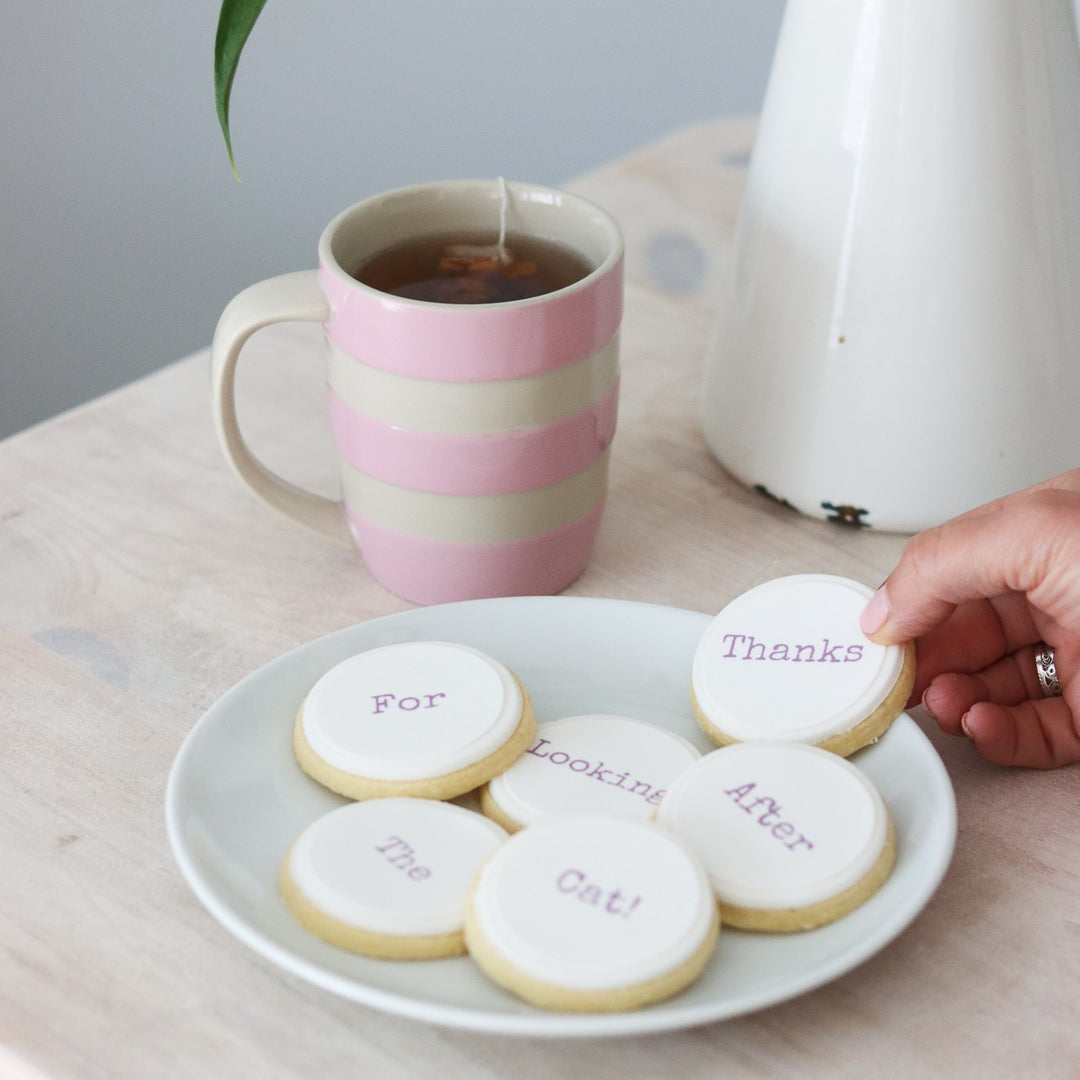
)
(139, 581)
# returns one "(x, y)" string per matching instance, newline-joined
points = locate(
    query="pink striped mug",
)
(473, 438)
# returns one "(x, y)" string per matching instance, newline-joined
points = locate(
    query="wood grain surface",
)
(139, 581)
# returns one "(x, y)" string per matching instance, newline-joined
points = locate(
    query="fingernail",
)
(965, 724)
(875, 613)
(928, 704)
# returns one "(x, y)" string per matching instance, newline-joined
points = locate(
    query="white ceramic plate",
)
(236, 799)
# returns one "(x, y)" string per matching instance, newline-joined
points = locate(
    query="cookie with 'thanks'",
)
(591, 914)
(388, 877)
(427, 719)
(592, 764)
(787, 661)
(791, 836)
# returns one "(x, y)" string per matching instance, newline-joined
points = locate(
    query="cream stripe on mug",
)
(476, 519)
(480, 408)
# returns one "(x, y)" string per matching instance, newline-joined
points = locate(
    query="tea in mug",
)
(472, 269)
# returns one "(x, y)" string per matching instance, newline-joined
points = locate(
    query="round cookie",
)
(594, 764)
(591, 914)
(388, 877)
(429, 719)
(787, 661)
(791, 836)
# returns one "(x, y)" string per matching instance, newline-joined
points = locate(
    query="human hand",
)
(977, 595)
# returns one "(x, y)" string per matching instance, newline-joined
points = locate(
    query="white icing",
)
(596, 764)
(411, 711)
(787, 660)
(592, 903)
(777, 825)
(393, 866)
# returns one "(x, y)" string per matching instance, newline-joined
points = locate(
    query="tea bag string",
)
(474, 256)
(504, 206)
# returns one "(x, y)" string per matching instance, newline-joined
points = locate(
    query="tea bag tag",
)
(485, 260)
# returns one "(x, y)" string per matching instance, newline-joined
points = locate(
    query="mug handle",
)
(287, 298)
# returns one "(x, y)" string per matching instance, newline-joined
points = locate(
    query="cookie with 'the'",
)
(428, 719)
(593, 764)
(388, 877)
(787, 661)
(791, 836)
(591, 914)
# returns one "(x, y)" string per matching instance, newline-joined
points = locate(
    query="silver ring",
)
(1046, 670)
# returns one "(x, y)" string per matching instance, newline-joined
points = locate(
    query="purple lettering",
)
(596, 771)
(733, 640)
(765, 811)
(402, 855)
(747, 647)
(772, 810)
(600, 773)
(535, 750)
(569, 880)
(737, 793)
(405, 704)
(755, 650)
(590, 894)
(828, 652)
(611, 901)
(393, 842)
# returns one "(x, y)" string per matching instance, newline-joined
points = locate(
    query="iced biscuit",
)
(388, 877)
(591, 914)
(429, 719)
(791, 836)
(593, 764)
(787, 661)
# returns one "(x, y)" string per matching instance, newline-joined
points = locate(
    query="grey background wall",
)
(123, 232)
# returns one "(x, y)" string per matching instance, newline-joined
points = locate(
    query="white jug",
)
(900, 338)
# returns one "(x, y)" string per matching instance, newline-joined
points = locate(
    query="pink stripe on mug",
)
(438, 571)
(488, 464)
(463, 342)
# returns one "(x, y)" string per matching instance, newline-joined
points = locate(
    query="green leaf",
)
(234, 24)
